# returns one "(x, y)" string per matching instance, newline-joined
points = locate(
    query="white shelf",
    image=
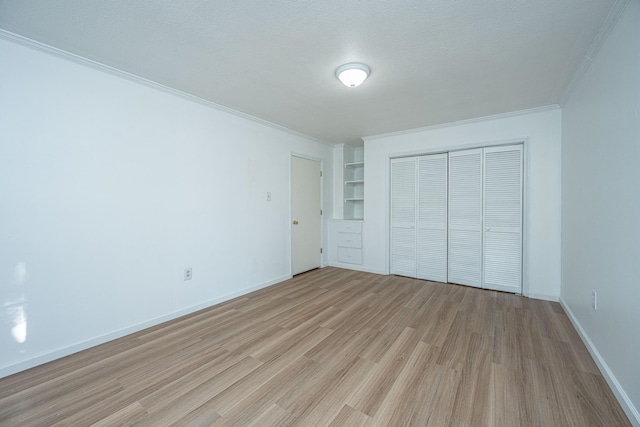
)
(353, 183)
(354, 165)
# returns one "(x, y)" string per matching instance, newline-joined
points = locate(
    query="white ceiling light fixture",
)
(353, 74)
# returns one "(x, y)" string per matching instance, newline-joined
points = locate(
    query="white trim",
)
(544, 297)
(387, 212)
(357, 267)
(459, 147)
(618, 391)
(525, 217)
(601, 36)
(464, 122)
(16, 38)
(7, 370)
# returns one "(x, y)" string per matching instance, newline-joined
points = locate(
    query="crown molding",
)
(601, 36)
(42, 47)
(465, 122)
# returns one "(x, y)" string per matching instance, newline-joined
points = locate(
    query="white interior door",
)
(465, 217)
(403, 217)
(432, 218)
(306, 229)
(503, 218)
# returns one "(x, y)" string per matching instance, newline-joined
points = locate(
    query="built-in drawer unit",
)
(350, 227)
(348, 242)
(350, 255)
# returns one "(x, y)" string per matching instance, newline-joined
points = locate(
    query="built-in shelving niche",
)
(353, 182)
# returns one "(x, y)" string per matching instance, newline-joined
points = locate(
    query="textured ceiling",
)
(432, 61)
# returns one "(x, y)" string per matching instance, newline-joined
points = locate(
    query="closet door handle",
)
(487, 229)
(295, 222)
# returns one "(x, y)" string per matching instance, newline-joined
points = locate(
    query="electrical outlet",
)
(188, 273)
(594, 299)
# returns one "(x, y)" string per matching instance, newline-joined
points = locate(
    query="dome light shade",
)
(352, 75)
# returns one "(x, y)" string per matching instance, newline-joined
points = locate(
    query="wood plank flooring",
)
(331, 347)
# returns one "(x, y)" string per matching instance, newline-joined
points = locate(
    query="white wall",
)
(541, 131)
(338, 181)
(110, 188)
(601, 207)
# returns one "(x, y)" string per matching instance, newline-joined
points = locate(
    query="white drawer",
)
(350, 255)
(350, 240)
(349, 227)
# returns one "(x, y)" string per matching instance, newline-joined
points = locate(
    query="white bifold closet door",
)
(503, 218)
(419, 217)
(403, 217)
(465, 217)
(457, 217)
(432, 218)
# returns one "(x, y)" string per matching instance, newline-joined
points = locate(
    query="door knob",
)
(295, 222)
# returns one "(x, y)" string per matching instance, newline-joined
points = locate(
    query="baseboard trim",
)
(357, 268)
(545, 297)
(41, 359)
(618, 391)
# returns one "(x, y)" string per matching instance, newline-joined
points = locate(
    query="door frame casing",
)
(323, 241)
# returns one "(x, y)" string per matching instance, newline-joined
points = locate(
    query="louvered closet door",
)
(465, 217)
(403, 217)
(432, 218)
(503, 218)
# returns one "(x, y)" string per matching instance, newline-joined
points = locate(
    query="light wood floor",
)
(331, 347)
